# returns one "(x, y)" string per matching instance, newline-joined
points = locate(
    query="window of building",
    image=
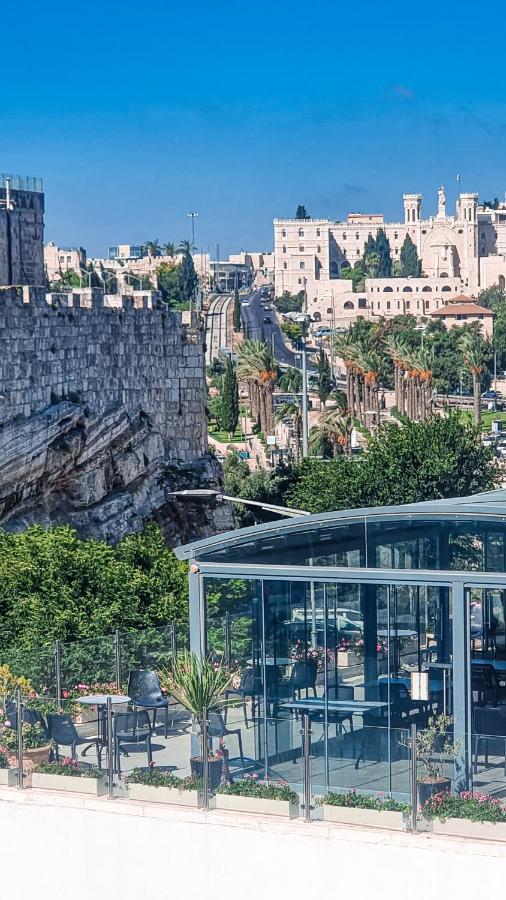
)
(319, 248)
(426, 289)
(446, 287)
(357, 236)
(329, 311)
(284, 248)
(388, 304)
(396, 236)
(387, 290)
(301, 248)
(408, 304)
(418, 304)
(285, 265)
(348, 305)
(358, 252)
(424, 231)
(318, 232)
(398, 304)
(344, 235)
(483, 235)
(302, 264)
(407, 290)
(283, 233)
(501, 282)
(299, 280)
(301, 232)
(396, 251)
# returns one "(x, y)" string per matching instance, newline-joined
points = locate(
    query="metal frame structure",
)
(212, 558)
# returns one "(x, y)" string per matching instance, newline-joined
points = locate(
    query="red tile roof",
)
(463, 309)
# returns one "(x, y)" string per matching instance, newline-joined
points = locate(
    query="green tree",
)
(187, 277)
(475, 353)
(417, 461)
(169, 248)
(324, 386)
(301, 212)
(410, 265)
(292, 409)
(382, 247)
(237, 311)
(230, 400)
(168, 283)
(152, 248)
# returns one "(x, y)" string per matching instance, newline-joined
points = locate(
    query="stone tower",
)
(21, 230)
(412, 208)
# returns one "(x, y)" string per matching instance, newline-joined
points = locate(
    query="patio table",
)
(100, 701)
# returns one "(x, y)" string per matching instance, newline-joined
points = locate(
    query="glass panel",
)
(88, 662)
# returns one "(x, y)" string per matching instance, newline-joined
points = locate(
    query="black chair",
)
(131, 728)
(30, 716)
(303, 677)
(487, 688)
(218, 728)
(144, 690)
(489, 725)
(62, 731)
(245, 690)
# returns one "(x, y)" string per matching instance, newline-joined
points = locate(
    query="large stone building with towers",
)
(459, 253)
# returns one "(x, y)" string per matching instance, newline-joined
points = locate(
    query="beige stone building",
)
(58, 260)
(463, 252)
(463, 310)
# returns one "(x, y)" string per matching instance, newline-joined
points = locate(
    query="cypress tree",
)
(324, 377)
(383, 250)
(187, 276)
(237, 311)
(230, 400)
(410, 263)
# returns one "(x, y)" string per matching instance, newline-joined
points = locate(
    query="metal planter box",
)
(370, 818)
(96, 787)
(489, 831)
(149, 794)
(258, 805)
(8, 777)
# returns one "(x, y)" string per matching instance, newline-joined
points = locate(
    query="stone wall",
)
(102, 417)
(21, 238)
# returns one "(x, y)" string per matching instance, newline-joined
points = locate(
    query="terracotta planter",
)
(489, 831)
(370, 818)
(150, 794)
(32, 758)
(8, 777)
(48, 782)
(428, 789)
(259, 805)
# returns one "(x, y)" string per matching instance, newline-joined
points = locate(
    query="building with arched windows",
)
(459, 253)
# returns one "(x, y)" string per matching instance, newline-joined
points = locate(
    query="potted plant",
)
(375, 811)
(200, 686)
(466, 814)
(271, 798)
(36, 745)
(434, 747)
(156, 786)
(8, 775)
(67, 776)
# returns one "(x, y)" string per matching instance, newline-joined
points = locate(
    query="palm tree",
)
(186, 247)
(345, 347)
(372, 365)
(399, 351)
(152, 248)
(335, 429)
(474, 351)
(256, 366)
(291, 381)
(169, 248)
(293, 410)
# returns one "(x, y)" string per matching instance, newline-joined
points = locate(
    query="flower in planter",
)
(4, 758)
(158, 778)
(465, 805)
(364, 801)
(250, 786)
(68, 767)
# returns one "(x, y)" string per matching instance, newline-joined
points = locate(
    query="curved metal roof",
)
(486, 504)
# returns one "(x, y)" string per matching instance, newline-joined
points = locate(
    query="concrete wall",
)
(64, 847)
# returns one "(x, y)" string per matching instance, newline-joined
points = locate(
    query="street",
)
(253, 314)
(216, 326)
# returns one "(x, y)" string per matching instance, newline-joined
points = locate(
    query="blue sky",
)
(136, 113)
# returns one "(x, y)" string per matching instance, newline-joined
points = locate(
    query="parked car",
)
(490, 395)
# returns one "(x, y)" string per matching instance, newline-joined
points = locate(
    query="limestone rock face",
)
(105, 475)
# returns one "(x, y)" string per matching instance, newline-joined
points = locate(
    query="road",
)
(253, 316)
(216, 326)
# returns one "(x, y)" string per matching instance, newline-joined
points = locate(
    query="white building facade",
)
(460, 253)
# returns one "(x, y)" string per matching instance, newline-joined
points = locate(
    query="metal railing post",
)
(173, 640)
(117, 657)
(57, 666)
(110, 751)
(414, 781)
(228, 640)
(205, 760)
(306, 733)
(19, 714)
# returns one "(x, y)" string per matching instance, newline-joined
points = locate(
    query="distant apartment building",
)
(126, 251)
(459, 253)
(21, 230)
(58, 260)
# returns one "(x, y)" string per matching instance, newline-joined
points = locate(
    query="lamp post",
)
(193, 216)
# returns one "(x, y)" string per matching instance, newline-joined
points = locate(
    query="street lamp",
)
(193, 216)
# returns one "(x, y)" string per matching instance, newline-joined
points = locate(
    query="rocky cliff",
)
(102, 417)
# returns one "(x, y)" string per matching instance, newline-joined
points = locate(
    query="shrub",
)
(4, 758)
(466, 805)
(249, 786)
(158, 778)
(33, 738)
(68, 767)
(365, 801)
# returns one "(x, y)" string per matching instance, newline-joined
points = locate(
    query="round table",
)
(100, 701)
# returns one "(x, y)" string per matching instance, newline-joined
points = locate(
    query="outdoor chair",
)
(62, 731)
(30, 716)
(131, 728)
(245, 690)
(303, 677)
(486, 686)
(489, 725)
(217, 728)
(144, 690)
